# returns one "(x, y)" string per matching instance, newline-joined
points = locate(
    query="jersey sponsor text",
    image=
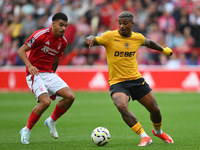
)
(124, 54)
(49, 50)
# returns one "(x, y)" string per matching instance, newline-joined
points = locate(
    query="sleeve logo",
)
(31, 41)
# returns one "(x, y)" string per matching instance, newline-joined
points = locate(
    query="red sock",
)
(32, 120)
(57, 113)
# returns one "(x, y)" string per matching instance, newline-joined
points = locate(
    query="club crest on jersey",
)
(126, 45)
(59, 46)
(41, 88)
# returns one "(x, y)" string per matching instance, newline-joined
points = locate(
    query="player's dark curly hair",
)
(59, 15)
(126, 14)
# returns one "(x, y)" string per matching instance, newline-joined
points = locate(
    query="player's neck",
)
(125, 35)
(53, 32)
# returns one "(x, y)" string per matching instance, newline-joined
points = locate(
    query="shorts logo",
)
(41, 88)
(126, 45)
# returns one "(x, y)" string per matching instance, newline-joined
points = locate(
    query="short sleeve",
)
(33, 40)
(104, 38)
(141, 37)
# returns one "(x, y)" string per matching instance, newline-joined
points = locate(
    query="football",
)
(100, 136)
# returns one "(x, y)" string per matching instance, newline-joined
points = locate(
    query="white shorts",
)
(45, 83)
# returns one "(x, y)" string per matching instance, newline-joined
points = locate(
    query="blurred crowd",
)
(171, 23)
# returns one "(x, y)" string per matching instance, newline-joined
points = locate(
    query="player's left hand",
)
(33, 70)
(167, 51)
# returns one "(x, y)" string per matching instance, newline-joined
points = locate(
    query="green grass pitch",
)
(180, 111)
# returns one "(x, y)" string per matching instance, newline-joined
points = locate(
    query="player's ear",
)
(132, 23)
(53, 23)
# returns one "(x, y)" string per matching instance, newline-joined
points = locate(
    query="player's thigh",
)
(149, 102)
(37, 85)
(44, 99)
(119, 94)
(120, 99)
(55, 84)
(66, 92)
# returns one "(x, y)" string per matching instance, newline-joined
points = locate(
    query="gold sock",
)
(137, 128)
(157, 126)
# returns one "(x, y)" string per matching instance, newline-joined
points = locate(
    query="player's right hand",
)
(33, 70)
(167, 51)
(89, 41)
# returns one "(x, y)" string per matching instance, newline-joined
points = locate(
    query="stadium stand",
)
(172, 23)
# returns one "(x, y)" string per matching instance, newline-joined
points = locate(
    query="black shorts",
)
(134, 88)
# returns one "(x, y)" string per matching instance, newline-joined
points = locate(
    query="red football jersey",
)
(44, 48)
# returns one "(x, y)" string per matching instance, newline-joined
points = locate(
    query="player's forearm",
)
(22, 55)
(153, 45)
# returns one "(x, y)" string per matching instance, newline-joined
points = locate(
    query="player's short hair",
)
(59, 15)
(126, 14)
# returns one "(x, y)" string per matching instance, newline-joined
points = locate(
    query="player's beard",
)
(124, 33)
(61, 33)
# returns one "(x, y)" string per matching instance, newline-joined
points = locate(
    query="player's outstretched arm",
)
(90, 41)
(22, 54)
(154, 45)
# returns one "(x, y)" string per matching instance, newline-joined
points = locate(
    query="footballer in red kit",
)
(46, 46)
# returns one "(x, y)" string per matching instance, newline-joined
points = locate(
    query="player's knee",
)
(44, 100)
(121, 107)
(156, 110)
(46, 104)
(72, 97)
